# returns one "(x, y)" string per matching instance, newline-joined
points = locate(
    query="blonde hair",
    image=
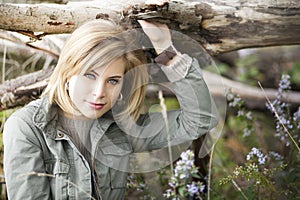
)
(98, 43)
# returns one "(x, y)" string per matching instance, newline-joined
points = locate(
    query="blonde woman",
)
(75, 141)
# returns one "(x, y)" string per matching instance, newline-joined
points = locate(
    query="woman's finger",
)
(156, 2)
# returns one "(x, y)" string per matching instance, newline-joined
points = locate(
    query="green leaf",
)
(196, 176)
(181, 190)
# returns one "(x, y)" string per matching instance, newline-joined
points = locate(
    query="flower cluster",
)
(195, 188)
(235, 101)
(256, 152)
(284, 83)
(296, 118)
(275, 155)
(181, 182)
(258, 168)
(283, 112)
(137, 184)
(185, 167)
(262, 167)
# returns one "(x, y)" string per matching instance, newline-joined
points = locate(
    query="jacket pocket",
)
(115, 154)
(56, 167)
(117, 149)
(59, 182)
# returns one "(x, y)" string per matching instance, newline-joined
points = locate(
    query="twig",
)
(43, 50)
(164, 114)
(32, 36)
(277, 116)
(31, 46)
(239, 189)
(235, 184)
(53, 176)
(209, 177)
(209, 172)
(3, 65)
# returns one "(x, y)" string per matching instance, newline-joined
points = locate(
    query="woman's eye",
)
(113, 81)
(90, 76)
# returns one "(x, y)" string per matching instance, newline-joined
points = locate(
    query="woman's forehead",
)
(115, 66)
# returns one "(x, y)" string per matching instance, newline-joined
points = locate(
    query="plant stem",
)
(277, 116)
(164, 114)
(56, 177)
(239, 189)
(209, 171)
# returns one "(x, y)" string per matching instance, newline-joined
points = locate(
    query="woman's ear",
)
(67, 85)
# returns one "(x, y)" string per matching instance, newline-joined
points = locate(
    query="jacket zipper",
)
(72, 144)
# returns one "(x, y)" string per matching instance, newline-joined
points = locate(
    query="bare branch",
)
(220, 26)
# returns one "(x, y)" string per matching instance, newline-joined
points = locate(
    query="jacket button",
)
(60, 135)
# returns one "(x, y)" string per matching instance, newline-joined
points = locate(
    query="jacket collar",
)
(46, 116)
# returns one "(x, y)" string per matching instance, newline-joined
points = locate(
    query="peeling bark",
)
(20, 91)
(220, 26)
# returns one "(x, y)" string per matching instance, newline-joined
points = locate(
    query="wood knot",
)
(102, 16)
(52, 23)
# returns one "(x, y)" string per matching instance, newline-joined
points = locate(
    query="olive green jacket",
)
(42, 162)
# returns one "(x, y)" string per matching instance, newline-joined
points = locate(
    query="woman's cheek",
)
(77, 87)
(72, 86)
(116, 93)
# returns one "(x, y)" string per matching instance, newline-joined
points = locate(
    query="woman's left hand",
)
(159, 35)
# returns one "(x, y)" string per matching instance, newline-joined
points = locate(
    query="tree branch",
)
(220, 26)
(20, 91)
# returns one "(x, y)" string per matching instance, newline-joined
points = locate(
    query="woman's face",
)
(95, 92)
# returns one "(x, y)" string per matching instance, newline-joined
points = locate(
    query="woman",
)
(76, 141)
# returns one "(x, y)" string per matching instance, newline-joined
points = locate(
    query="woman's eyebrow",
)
(116, 76)
(113, 76)
(93, 71)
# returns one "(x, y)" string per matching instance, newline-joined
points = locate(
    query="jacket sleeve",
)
(23, 158)
(197, 114)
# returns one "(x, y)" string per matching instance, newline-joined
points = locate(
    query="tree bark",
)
(220, 26)
(20, 91)
(254, 97)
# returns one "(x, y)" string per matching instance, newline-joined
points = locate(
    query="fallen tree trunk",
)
(20, 91)
(254, 97)
(220, 26)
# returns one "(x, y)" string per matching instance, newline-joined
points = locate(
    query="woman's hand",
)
(159, 35)
(156, 2)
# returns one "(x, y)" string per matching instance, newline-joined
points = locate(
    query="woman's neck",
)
(72, 116)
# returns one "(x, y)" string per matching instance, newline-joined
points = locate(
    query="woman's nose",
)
(99, 90)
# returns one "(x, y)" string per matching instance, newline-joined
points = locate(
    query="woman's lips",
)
(96, 106)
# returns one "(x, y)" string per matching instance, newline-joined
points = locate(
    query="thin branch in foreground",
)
(209, 172)
(4, 62)
(164, 114)
(26, 44)
(53, 176)
(32, 36)
(277, 116)
(239, 189)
